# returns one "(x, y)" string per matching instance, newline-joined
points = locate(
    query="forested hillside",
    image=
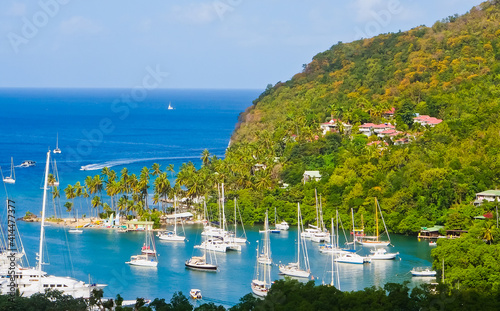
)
(450, 70)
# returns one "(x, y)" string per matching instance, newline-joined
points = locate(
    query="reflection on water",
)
(103, 253)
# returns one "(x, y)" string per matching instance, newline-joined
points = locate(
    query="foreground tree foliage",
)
(290, 295)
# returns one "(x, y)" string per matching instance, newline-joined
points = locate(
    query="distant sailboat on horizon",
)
(57, 150)
(170, 106)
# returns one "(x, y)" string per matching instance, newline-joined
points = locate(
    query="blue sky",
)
(199, 43)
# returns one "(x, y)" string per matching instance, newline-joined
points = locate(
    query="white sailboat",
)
(172, 236)
(262, 282)
(57, 150)
(294, 269)
(31, 281)
(334, 264)
(265, 257)
(148, 256)
(375, 241)
(170, 106)
(382, 254)
(200, 262)
(218, 239)
(351, 256)
(12, 178)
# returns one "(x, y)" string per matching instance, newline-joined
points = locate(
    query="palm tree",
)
(162, 186)
(55, 194)
(122, 203)
(170, 168)
(51, 180)
(143, 185)
(205, 157)
(70, 194)
(155, 168)
(68, 206)
(96, 202)
(487, 232)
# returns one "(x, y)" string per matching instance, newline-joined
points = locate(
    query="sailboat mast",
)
(317, 215)
(223, 213)
(353, 232)
(235, 223)
(298, 235)
(376, 217)
(175, 214)
(42, 226)
(333, 249)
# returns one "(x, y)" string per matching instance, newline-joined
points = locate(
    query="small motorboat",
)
(195, 293)
(28, 163)
(422, 271)
(433, 243)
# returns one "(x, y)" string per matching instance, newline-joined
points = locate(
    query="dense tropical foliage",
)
(450, 70)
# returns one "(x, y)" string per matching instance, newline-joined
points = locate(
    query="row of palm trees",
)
(129, 193)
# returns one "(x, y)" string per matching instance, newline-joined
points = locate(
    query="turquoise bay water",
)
(102, 253)
(29, 122)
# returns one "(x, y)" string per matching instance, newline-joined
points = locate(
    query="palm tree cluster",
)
(127, 193)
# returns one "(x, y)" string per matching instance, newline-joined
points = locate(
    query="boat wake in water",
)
(100, 166)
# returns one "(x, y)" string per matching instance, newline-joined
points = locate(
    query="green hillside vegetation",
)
(450, 71)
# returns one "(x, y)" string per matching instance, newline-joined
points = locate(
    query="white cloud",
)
(16, 9)
(199, 13)
(79, 25)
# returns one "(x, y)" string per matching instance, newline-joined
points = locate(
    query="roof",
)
(313, 174)
(489, 192)
(136, 222)
(432, 229)
(180, 215)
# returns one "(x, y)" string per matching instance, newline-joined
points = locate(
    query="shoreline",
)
(72, 223)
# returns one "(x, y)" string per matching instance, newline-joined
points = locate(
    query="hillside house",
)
(488, 195)
(427, 120)
(332, 126)
(311, 175)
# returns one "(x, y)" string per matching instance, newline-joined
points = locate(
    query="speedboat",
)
(422, 271)
(28, 163)
(195, 293)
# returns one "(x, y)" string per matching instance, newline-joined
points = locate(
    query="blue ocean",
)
(107, 127)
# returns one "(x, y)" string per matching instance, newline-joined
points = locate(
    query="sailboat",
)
(77, 228)
(12, 178)
(218, 239)
(262, 282)
(170, 106)
(352, 257)
(31, 281)
(200, 262)
(294, 268)
(375, 240)
(172, 235)
(57, 150)
(265, 256)
(148, 256)
(334, 264)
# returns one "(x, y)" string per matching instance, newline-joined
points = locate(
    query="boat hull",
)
(201, 266)
(9, 180)
(258, 289)
(294, 272)
(142, 263)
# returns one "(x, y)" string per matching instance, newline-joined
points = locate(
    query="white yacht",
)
(28, 163)
(351, 257)
(423, 271)
(31, 281)
(382, 254)
(283, 226)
